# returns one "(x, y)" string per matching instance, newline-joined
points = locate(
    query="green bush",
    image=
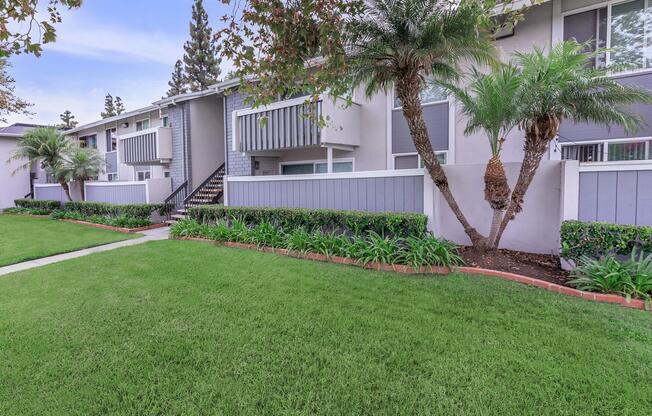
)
(42, 205)
(26, 211)
(596, 239)
(323, 220)
(416, 251)
(122, 221)
(632, 277)
(141, 211)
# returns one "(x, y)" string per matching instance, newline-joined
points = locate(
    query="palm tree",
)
(81, 165)
(490, 104)
(558, 86)
(45, 146)
(406, 43)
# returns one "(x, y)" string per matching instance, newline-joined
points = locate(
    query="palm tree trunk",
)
(66, 189)
(407, 89)
(82, 191)
(537, 136)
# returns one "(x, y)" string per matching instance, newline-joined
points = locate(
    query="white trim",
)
(339, 175)
(45, 185)
(557, 22)
(329, 160)
(116, 183)
(140, 133)
(437, 152)
(388, 133)
(605, 147)
(615, 166)
(314, 162)
(452, 127)
(151, 173)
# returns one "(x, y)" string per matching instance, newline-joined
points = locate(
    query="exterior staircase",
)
(209, 192)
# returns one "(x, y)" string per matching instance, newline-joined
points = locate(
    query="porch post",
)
(329, 159)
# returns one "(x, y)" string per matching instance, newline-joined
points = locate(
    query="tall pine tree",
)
(109, 107)
(68, 120)
(119, 106)
(201, 60)
(178, 82)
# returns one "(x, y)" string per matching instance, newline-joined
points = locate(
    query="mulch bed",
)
(540, 266)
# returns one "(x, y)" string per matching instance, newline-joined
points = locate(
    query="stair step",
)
(178, 216)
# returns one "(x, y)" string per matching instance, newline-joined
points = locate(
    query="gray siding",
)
(179, 166)
(238, 164)
(392, 194)
(436, 118)
(588, 131)
(621, 197)
(139, 149)
(118, 194)
(50, 193)
(111, 162)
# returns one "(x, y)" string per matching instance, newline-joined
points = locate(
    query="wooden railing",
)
(209, 191)
(175, 200)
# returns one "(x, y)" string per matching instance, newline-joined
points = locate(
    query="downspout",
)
(183, 131)
(226, 144)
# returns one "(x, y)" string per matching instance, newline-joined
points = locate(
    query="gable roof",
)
(113, 119)
(17, 129)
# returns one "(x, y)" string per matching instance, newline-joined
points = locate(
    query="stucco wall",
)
(536, 229)
(11, 186)
(207, 144)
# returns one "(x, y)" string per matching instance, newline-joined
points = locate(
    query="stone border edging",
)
(405, 269)
(118, 229)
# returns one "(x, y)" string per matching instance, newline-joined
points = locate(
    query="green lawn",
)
(25, 238)
(180, 327)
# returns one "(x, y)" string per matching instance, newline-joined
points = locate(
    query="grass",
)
(25, 238)
(180, 327)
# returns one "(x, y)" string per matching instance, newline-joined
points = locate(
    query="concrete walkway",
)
(151, 235)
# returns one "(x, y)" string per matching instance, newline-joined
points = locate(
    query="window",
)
(112, 177)
(88, 141)
(143, 175)
(142, 124)
(431, 94)
(316, 167)
(111, 140)
(608, 151)
(623, 28)
(413, 160)
(166, 121)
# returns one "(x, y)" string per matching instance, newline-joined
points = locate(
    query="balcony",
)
(294, 124)
(146, 147)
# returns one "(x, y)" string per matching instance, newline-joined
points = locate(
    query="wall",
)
(11, 186)
(207, 143)
(536, 229)
(116, 193)
(55, 192)
(179, 119)
(535, 30)
(238, 164)
(382, 191)
(621, 197)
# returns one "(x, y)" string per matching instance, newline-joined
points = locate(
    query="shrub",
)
(596, 239)
(323, 220)
(142, 211)
(26, 211)
(41, 205)
(122, 221)
(632, 277)
(420, 251)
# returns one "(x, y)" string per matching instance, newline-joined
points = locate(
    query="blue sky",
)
(125, 47)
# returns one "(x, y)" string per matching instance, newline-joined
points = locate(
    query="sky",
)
(124, 47)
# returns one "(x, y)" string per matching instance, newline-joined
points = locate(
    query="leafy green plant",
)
(26, 211)
(380, 249)
(631, 277)
(266, 235)
(429, 251)
(323, 220)
(596, 239)
(123, 221)
(45, 205)
(143, 211)
(298, 240)
(328, 244)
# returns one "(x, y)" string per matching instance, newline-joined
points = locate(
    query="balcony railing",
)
(295, 124)
(147, 147)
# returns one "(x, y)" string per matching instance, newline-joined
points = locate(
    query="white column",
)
(329, 159)
(429, 208)
(570, 190)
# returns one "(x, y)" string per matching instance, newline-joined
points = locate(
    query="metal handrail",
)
(176, 199)
(219, 172)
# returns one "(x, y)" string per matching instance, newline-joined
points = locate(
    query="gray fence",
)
(622, 197)
(120, 193)
(382, 193)
(50, 192)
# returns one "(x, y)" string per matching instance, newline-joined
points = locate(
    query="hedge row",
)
(41, 205)
(324, 220)
(596, 239)
(141, 211)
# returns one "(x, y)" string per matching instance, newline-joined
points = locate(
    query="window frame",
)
(314, 163)
(114, 175)
(609, 5)
(149, 123)
(419, 161)
(84, 139)
(394, 107)
(605, 148)
(116, 139)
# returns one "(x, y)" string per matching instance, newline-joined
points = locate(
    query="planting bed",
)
(118, 229)
(540, 266)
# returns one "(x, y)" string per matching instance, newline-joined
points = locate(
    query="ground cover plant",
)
(182, 327)
(122, 221)
(416, 251)
(37, 205)
(596, 239)
(26, 238)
